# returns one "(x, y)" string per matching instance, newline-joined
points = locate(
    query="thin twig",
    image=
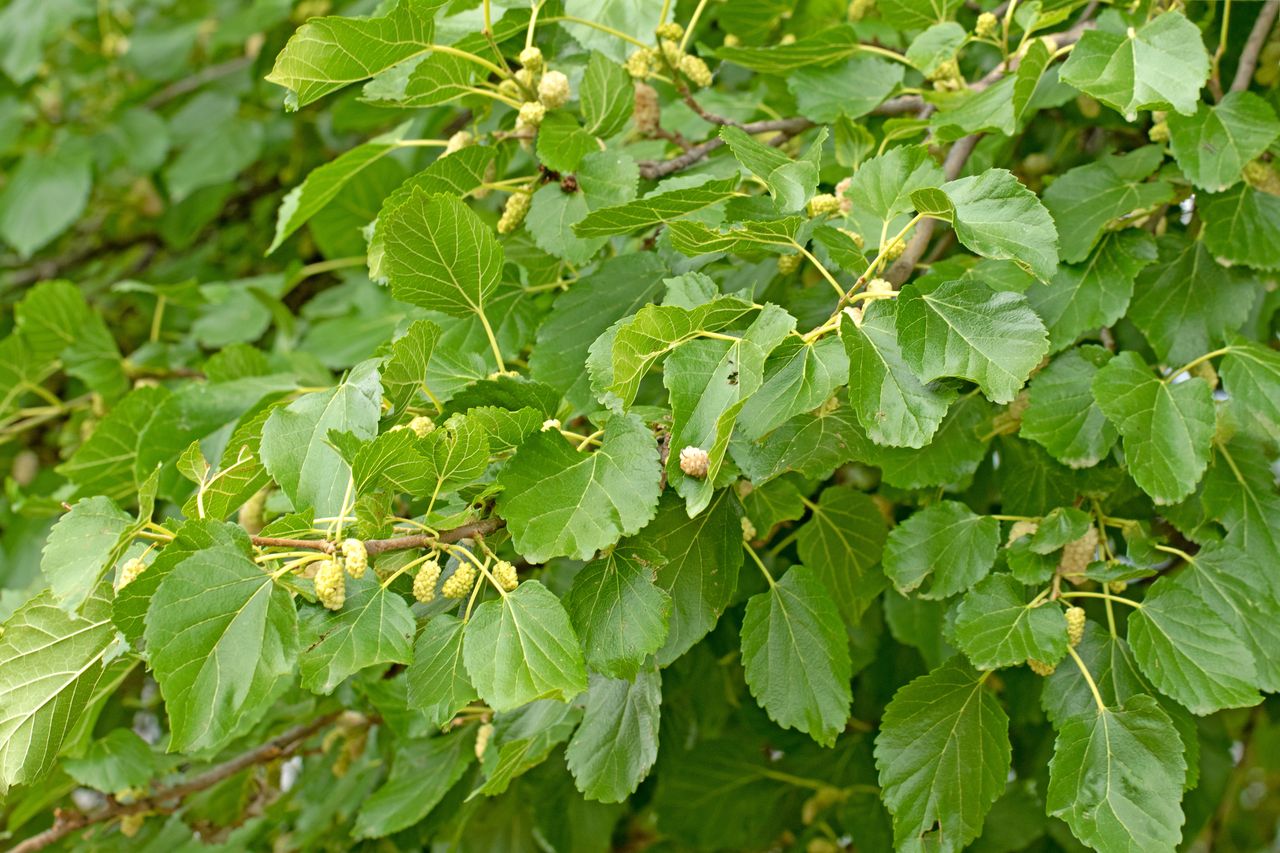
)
(652, 169)
(1257, 37)
(397, 543)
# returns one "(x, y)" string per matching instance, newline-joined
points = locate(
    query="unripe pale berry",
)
(1041, 668)
(531, 115)
(130, 570)
(526, 78)
(696, 70)
(823, 204)
(424, 583)
(879, 287)
(895, 249)
(748, 529)
(355, 558)
(695, 462)
(509, 89)
(1020, 529)
(505, 574)
(851, 234)
(647, 113)
(671, 52)
(331, 585)
(252, 513)
(458, 584)
(639, 63)
(986, 26)
(422, 426)
(787, 264)
(1077, 555)
(842, 190)
(1117, 587)
(483, 735)
(553, 89)
(731, 40)
(670, 30)
(531, 58)
(457, 142)
(514, 212)
(1075, 625)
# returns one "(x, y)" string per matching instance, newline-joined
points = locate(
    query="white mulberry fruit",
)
(1075, 625)
(331, 585)
(787, 264)
(696, 70)
(695, 462)
(531, 58)
(458, 584)
(823, 204)
(1041, 668)
(648, 113)
(422, 425)
(483, 734)
(894, 250)
(457, 142)
(130, 570)
(639, 63)
(1077, 555)
(670, 30)
(355, 558)
(505, 574)
(553, 89)
(986, 26)
(514, 212)
(424, 583)
(531, 115)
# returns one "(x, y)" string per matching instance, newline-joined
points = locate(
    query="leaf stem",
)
(1136, 605)
(493, 340)
(1093, 687)
(1177, 552)
(808, 256)
(693, 23)
(1196, 362)
(746, 546)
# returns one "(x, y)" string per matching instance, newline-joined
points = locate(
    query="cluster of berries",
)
(350, 558)
(647, 61)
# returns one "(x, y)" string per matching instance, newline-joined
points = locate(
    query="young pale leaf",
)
(559, 501)
(521, 647)
(618, 611)
(617, 744)
(1213, 146)
(51, 667)
(223, 640)
(996, 216)
(1242, 226)
(1115, 781)
(841, 544)
(326, 54)
(1062, 415)
(995, 626)
(945, 541)
(439, 255)
(1189, 650)
(968, 330)
(1159, 66)
(943, 754)
(791, 182)
(438, 683)
(796, 656)
(1167, 427)
(1085, 200)
(703, 556)
(82, 545)
(374, 627)
(654, 209)
(423, 772)
(295, 439)
(893, 406)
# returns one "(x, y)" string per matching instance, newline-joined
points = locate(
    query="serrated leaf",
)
(946, 543)
(562, 143)
(1242, 226)
(45, 194)
(373, 627)
(522, 740)
(1167, 427)
(1086, 199)
(943, 754)
(423, 772)
(617, 744)
(521, 647)
(617, 610)
(791, 182)
(1159, 66)
(849, 89)
(439, 255)
(404, 370)
(893, 406)
(935, 46)
(796, 656)
(607, 96)
(1115, 781)
(114, 762)
(1251, 375)
(223, 640)
(103, 465)
(965, 329)
(841, 544)
(996, 626)
(880, 191)
(1213, 146)
(799, 376)
(82, 545)
(999, 108)
(1062, 415)
(747, 237)
(829, 45)
(950, 459)
(1189, 651)
(561, 502)
(654, 209)
(438, 684)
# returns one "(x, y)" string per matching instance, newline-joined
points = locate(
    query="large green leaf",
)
(790, 182)
(423, 772)
(618, 611)
(374, 627)
(798, 377)
(997, 626)
(796, 656)
(1251, 376)
(945, 543)
(439, 686)
(1062, 415)
(966, 329)
(521, 647)
(45, 194)
(841, 543)
(617, 744)
(607, 96)
(223, 641)
(1160, 65)
(1213, 146)
(1167, 427)
(880, 191)
(850, 89)
(1242, 226)
(943, 755)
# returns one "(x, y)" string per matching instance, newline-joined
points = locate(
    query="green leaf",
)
(935, 46)
(799, 376)
(1001, 107)
(703, 556)
(1115, 781)
(841, 544)
(748, 237)
(654, 209)
(423, 772)
(404, 371)
(850, 89)
(950, 459)
(1242, 226)
(439, 255)
(82, 546)
(607, 96)
(323, 184)
(1062, 415)
(1189, 650)
(945, 542)
(326, 54)
(996, 216)
(374, 627)
(825, 47)
(44, 196)
(965, 329)
(295, 439)
(439, 686)
(522, 740)
(1167, 427)
(1084, 297)
(1085, 200)
(103, 465)
(996, 626)
(521, 647)
(1213, 146)
(893, 406)
(709, 382)
(1251, 375)
(796, 656)
(943, 754)
(51, 666)
(562, 143)
(223, 641)
(113, 763)
(916, 14)
(562, 502)
(791, 182)
(1160, 66)
(880, 191)
(618, 611)
(617, 744)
